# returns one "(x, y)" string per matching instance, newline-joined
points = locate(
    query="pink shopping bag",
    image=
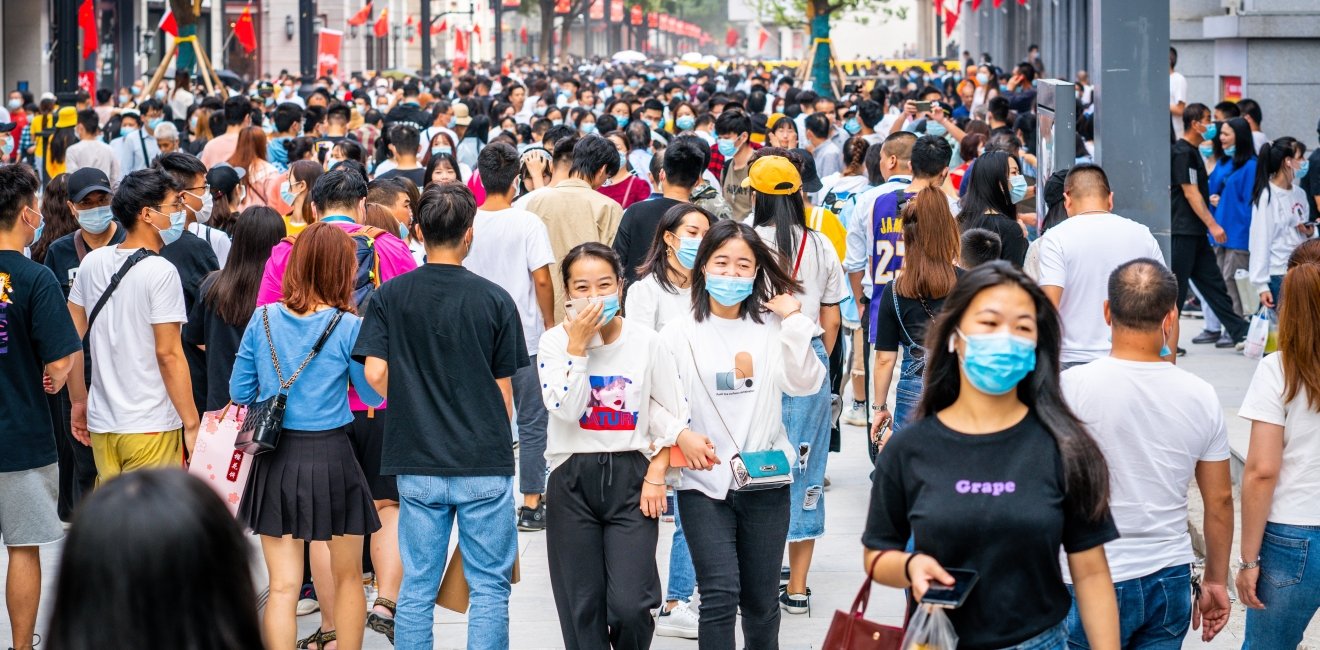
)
(214, 459)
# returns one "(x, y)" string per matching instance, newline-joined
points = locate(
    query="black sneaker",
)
(795, 603)
(532, 520)
(1225, 342)
(1206, 336)
(1182, 352)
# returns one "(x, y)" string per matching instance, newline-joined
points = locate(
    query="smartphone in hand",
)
(955, 596)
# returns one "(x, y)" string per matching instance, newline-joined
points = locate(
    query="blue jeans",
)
(1154, 611)
(1286, 586)
(1276, 290)
(807, 420)
(908, 392)
(1055, 638)
(488, 539)
(682, 576)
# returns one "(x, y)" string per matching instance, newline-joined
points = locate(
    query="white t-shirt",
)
(1078, 255)
(1177, 93)
(1297, 494)
(128, 392)
(218, 239)
(507, 245)
(1259, 139)
(820, 273)
(1148, 474)
(650, 305)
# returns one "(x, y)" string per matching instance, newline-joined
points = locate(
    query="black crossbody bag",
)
(137, 256)
(264, 421)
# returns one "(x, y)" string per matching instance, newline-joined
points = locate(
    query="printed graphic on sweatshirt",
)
(613, 404)
(5, 289)
(738, 379)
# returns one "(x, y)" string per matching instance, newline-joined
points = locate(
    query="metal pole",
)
(426, 38)
(499, 31)
(306, 38)
(66, 51)
(586, 31)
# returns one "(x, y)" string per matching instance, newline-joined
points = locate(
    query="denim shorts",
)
(807, 420)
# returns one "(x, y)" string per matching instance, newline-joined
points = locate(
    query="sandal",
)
(316, 637)
(383, 625)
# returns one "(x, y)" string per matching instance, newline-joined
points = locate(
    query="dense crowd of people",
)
(646, 295)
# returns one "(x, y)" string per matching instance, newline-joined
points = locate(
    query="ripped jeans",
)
(807, 420)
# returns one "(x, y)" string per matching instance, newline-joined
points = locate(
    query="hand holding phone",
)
(952, 596)
(583, 323)
(923, 107)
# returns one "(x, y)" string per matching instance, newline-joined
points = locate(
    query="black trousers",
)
(601, 550)
(74, 459)
(737, 545)
(1194, 260)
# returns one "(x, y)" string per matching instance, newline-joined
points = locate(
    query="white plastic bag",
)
(929, 629)
(1258, 340)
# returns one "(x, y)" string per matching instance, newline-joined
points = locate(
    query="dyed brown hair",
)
(930, 235)
(321, 269)
(1299, 328)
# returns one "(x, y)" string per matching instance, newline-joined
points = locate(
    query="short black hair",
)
(88, 120)
(1086, 179)
(870, 112)
(140, 189)
(930, 156)
(236, 108)
(593, 153)
(405, 138)
(807, 97)
(818, 125)
(684, 160)
(653, 104)
(556, 133)
(563, 153)
(1141, 293)
(498, 166)
(339, 188)
(182, 167)
(446, 213)
(1193, 113)
(1251, 108)
(998, 108)
(286, 115)
(411, 89)
(339, 111)
(1229, 109)
(591, 249)
(18, 189)
(733, 123)
(978, 247)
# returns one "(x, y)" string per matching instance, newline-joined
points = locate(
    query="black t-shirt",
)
(1188, 168)
(417, 176)
(998, 509)
(916, 315)
(448, 335)
(62, 255)
(1013, 241)
(35, 329)
(194, 259)
(1311, 184)
(205, 327)
(637, 230)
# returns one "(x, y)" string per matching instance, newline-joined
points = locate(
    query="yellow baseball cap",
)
(773, 175)
(774, 120)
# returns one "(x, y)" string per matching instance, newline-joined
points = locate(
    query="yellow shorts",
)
(117, 453)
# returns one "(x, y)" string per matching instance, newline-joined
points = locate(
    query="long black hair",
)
(154, 558)
(479, 128)
(1085, 473)
(1244, 147)
(233, 293)
(989, 191)
(1273, 156)
(771, 279)
(656, 261)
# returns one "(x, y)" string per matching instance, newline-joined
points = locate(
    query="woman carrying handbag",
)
(309, 486)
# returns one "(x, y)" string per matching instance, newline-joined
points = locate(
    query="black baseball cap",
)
(810, 178)
(85, 181)
(6, 127)
(223, 178)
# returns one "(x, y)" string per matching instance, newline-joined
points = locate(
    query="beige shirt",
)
(574, 213)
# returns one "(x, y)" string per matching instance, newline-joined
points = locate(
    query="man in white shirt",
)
(1177, 94)
(511, 247)
(1168, 429)
(1077, 256)
(134, 148)
(90, 150)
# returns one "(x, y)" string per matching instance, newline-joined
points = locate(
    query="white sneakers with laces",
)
(681, 621)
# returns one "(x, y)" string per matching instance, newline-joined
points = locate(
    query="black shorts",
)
(367, 432)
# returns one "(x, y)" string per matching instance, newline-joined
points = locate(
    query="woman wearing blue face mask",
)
(744, 346)
(615, 402)
(1232, 192)
(624, 187)
(996, 475)
(995, 185)
(1280, 216)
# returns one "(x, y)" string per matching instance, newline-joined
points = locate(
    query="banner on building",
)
(327, 52)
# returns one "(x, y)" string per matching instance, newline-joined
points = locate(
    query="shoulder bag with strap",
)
(752, 470)
(264, 422)
(851, 630)
(916, 350)
(137, 256)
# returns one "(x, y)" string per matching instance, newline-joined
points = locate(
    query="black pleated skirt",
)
(311, 487)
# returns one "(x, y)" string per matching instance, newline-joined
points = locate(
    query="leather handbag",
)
(851, 631)
(264, 421)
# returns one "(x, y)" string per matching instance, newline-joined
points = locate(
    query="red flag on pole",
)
(244, 32)
(476, 31)
(87, 21)
(731, 37)
(998, 3)
(951, 18)
(939, 7)
(361, 17)
(168, 25)
(522, 35)
(382, 27)
(460, 50)
(761, 38)
(437, 29)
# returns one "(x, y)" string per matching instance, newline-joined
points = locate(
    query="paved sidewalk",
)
(837, 568)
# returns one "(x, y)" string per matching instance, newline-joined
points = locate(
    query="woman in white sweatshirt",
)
(1280, 216)
(615, 401)
(745, 344)
(663, 290)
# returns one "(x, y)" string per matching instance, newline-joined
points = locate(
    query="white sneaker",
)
(855, 415)
(681, 621)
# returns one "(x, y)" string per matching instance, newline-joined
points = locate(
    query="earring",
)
(951, 345)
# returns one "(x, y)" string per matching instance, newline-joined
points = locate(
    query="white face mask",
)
(204, 214)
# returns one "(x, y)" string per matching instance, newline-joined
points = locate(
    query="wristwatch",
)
(1243, 565)
(876, 408)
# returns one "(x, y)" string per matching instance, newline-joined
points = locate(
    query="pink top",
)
(633, 190)
(395, 260)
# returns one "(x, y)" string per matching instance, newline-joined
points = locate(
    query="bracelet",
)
(907, 566)
(650, 482)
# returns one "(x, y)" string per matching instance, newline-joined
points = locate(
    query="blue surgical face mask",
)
(1017, 186)
(41, 225)
(622, 120)
(1211, 131)
(287, 194)
(995, 363)
(609, 307)
(8, 148)
(1230, 150)
(728, 290)
(403, 231)
(935, 128)
(685, 122)
(127, 130)
(618, 89)
(540, 111)
(623, 160)
(15, 104)
(123, 99)
(95, 220)
(331, 162)
(588, 128)
(1207, 149)
(982, 78)
(155, 122)
(687, 252)
(453, 122)
(852, 126)
(633, 83)
(727, 147)
(557, 122)
(192, 123)
(442, 149)
(1301, 171)
(175, 231)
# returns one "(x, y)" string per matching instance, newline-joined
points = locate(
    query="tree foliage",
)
(797, 13)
